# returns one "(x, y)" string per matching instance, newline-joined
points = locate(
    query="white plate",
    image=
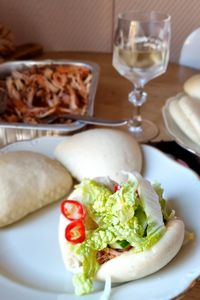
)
(30, 260)
(180, 137)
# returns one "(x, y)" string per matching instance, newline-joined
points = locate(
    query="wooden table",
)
(111, 101)
(112, 93)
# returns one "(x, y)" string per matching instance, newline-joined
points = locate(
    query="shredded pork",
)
(109, 253)
(40, 91)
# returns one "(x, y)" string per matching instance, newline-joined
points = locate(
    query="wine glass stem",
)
(137, 97)
(137, 118)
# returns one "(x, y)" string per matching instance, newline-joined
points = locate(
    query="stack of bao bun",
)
(97, 154)
(185, 110)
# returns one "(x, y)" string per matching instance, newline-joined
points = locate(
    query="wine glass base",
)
(143, 133)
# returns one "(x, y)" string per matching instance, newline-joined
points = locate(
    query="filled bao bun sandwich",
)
(121, 231)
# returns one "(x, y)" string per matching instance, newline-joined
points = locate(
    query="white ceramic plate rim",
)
(146, 288)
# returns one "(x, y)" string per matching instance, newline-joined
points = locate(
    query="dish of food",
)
(39, 89)
(175, 131)
(31, 265)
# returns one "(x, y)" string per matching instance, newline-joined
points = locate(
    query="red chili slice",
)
(117, 187)
(72, 210)
(75, 232)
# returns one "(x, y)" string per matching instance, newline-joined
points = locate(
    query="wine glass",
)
(141, 52)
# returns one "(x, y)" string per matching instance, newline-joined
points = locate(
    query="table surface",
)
(112, 101)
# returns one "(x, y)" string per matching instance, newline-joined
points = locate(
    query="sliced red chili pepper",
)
(72, 210)
(117, 187)
(75, 232)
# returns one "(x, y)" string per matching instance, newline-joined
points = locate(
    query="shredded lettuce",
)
(134, 215)
(166, 211)
(83, 284)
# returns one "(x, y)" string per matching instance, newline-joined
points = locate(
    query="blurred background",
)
(87, 25)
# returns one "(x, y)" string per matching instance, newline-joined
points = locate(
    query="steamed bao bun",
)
(29, 181)
(128, 265)
(100, 152)
(192, 86)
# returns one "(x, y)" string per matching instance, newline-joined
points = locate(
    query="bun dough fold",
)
(28, 182)
(130, 266)
(100, 152)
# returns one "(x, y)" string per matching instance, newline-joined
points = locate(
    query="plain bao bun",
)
(192, 86)
(28, 182)
(100, 152)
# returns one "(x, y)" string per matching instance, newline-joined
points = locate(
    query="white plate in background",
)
(30, 261)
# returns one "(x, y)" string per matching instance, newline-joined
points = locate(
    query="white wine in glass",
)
(141, 52)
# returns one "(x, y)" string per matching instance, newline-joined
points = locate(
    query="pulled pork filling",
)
(109, 253)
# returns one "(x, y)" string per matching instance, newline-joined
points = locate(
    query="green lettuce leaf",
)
(167, 212)
(83, 284)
